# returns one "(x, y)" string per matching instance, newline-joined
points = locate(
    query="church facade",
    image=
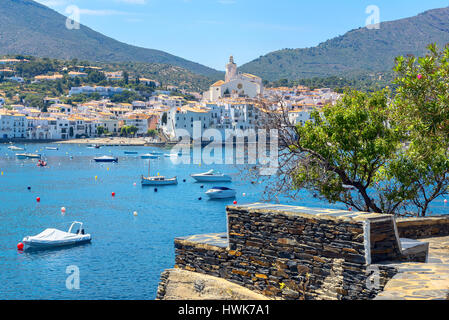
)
(236, 85)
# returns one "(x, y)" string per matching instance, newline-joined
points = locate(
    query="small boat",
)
(211, 176)
(131, 152)
(28, 156)
(220, 193)
(149, 156)
(41, 163)
(51, 148)
(106, 159)
(175, 155)
(50, 238)
(14, 148)
(158, 180)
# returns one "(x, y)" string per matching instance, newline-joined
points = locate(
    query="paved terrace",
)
(422, 281)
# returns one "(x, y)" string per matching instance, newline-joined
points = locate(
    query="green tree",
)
(421, 109)
(152, 133)
(101, 130)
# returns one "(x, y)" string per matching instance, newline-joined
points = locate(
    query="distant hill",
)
(357, 52)
(27, 27)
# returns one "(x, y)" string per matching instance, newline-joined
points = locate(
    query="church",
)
(236, 85)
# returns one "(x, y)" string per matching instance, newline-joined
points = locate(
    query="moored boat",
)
(14, 148)
(106, 159)
(211, 176)
(50, 238)
(149, 156)
(131, 152)
(51, 148)
(28, 156)
(220, 193)
(157, 180)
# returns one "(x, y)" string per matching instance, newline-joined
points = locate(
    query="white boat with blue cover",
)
(221, 193)
(211, 176)
(50, 238)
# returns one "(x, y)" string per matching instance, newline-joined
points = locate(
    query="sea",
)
(132, 232)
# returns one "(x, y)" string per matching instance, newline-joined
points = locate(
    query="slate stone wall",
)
(291, 256)
(419, 228)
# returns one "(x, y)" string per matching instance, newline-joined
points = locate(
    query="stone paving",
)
(422, 281)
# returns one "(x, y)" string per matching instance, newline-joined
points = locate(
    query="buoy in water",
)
(202, 187)
(200, 198)
(96, 177)
(63, 210)
(113, 194)
(135, 213)
(134, 184)
(445, 200)
(184, 180)
(20, 246)
(235, 202)
(29, 188)
(38, 199)
(244, 194)
(350, 209)
(155, 189)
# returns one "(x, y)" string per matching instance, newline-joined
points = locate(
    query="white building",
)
(180, 122)
(235, 85)
(13, 125)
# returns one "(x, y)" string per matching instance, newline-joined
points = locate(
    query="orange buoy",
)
(38, 199)
(235, 202)
(20, 246)
(113, 194)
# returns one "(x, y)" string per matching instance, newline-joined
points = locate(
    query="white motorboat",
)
(157, 180)
(56, 238)
(220, 193)
(175, 155)
(106, 159)
(211, 176)
(149, 156)
(14, 148)
(131, 152)
(28, 156)
(51, 148)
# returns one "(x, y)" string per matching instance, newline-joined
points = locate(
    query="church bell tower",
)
(231, 70)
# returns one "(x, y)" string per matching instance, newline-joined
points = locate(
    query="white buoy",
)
(135, 213)
(244, 194)
(63, 210)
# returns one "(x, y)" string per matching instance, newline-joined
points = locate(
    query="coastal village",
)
(167, 114)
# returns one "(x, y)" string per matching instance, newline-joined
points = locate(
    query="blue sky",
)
(209, 31)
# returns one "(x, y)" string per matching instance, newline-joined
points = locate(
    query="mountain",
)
(358, 51)
(27, 27)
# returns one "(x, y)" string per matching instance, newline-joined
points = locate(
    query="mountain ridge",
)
(358, 51)
(30, 28)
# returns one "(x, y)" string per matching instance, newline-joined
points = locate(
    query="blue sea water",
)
(128, 252)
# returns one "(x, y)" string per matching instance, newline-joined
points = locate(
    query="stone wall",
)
(419, 228)
(291, 253)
